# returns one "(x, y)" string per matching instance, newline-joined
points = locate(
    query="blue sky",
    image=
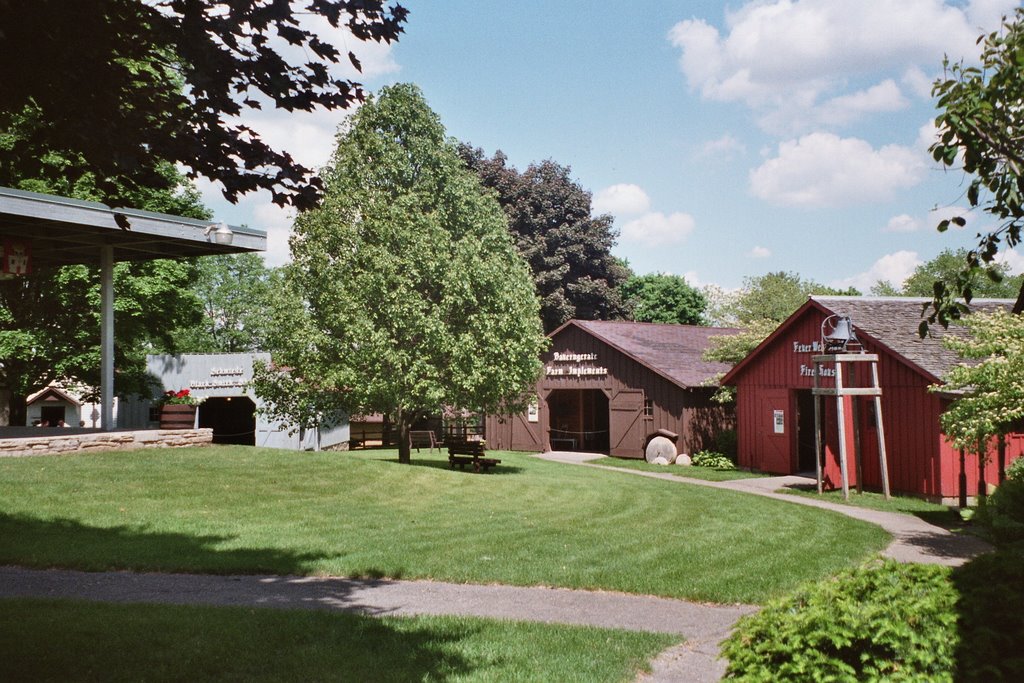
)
(727, 139)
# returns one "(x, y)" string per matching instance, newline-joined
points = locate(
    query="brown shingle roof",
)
(673, 351)
(893, 321)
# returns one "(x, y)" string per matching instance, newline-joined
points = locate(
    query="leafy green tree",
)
(236, 292)
(568, 250)
(947, 266)
(979, 129)
(990, 380)
(732, 348)
(414, 296)
(663, 298)
(885, 288)
(122, 86)
(776, 296)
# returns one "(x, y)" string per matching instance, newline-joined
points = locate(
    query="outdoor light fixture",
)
(837, 335)
(221, 233)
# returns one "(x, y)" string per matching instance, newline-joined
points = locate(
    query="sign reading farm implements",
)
(571, 364)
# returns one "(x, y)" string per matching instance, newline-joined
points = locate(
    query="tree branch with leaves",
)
(979, 131)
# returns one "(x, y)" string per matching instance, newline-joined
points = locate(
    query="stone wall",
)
(52, 442)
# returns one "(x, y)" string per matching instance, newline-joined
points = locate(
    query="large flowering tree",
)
(991, 380)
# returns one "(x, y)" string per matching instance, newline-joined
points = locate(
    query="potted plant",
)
(178, 409)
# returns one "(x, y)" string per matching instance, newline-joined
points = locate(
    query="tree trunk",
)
(5, 407)
(1018, 306)
(404, 425)
(18, 415)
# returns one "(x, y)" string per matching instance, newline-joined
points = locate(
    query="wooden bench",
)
(464, 453)
(422, 439)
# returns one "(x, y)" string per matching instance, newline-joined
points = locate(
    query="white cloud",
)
(902, 223)
(822, 169)
(884, 97)
(759, 252)
(927, 135)
(624, 199)
(989, 12)
(918, 82)
(655, 229)
(722, 148)
(1012, 258)
(278, 224)
(783, 58)
(892, 268)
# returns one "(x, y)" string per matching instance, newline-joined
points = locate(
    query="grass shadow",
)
(990, 617)
(950, 520)
(72, 640)
(443, 465)
(33, 542)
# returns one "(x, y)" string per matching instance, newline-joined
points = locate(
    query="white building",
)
(229, 404)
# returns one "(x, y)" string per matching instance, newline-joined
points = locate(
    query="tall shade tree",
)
(979, 126)
(991, 380)
(415, 298)
(124, 85)
(568, 250)
(947, 266)
(757, 309)
(775, 296)
(662, 298)
(236, 292)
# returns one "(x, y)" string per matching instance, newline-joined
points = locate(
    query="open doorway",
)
(805, 441)
(578, 420)
(232, 418)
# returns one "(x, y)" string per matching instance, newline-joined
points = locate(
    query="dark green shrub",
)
(725, 442)
(712, 459)
(1016, 470)
(882, 622)
(1003, 512)
(991, 623)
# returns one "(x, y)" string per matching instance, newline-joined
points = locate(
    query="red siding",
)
(920, 461)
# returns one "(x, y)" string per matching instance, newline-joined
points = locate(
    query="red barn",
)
(608, 386)
(775, 408)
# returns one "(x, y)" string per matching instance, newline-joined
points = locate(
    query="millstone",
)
(660, 447)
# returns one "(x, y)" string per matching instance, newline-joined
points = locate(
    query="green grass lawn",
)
(529, 522)
(55, 640)
(705, 473)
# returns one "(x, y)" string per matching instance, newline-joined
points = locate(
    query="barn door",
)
(525, 435)
(626, 425)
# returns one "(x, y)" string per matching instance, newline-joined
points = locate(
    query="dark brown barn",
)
(608, 387)
(775, 410)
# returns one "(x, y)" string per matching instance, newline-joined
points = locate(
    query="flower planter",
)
(178, 416)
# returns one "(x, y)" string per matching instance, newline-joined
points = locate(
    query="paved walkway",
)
(703, 625)
(914, 540)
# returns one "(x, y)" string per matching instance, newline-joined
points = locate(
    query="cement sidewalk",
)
(702, 625)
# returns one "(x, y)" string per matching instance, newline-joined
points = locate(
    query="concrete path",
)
(914, 540)
(702, 625)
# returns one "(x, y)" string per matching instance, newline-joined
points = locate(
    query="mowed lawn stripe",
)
(530, 522)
